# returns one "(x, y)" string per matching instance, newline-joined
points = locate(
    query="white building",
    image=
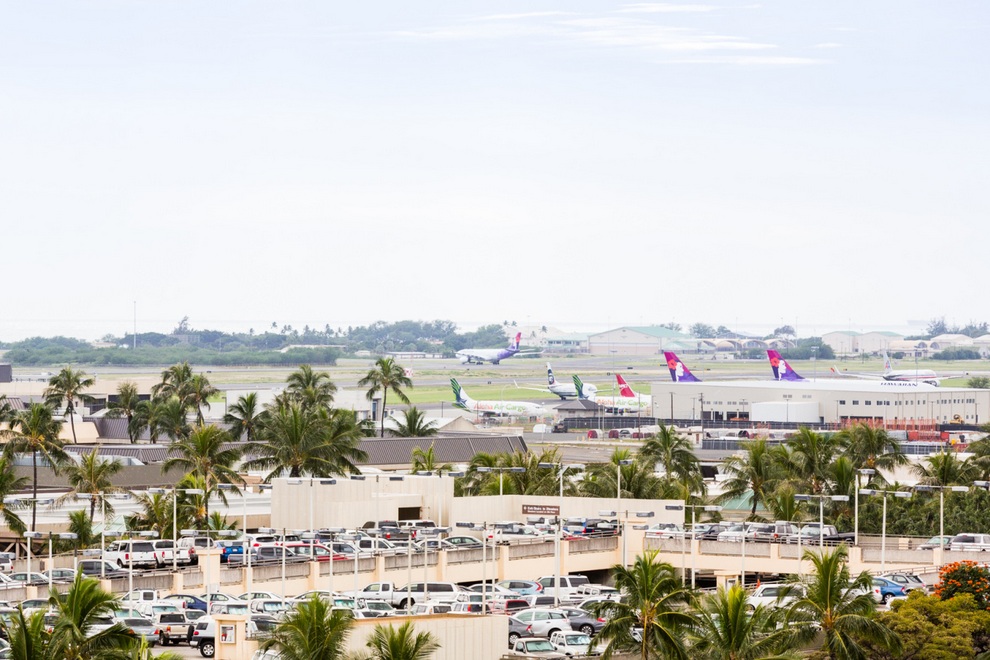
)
(642, 340)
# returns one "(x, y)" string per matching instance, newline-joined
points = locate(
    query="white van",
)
(969, 543)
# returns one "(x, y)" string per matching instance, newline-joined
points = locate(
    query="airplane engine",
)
(465, 360)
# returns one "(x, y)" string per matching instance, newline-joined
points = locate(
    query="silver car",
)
(543, 622)
(142, 628)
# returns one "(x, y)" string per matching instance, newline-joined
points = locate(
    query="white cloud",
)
(747, 60)
(828, 44)
(664, 8)
(514, 17)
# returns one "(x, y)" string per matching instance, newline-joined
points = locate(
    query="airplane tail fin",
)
(781, 370)
(624, 388)
(886, 362)
(550, 378)
(514, 344)
(679, 373)
(461, 399)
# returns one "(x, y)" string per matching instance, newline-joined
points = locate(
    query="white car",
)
(571, 643)
(252, 595)
(775, 595)
(543, 622)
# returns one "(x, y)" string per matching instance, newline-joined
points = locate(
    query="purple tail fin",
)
(679, 373)
(781, 370)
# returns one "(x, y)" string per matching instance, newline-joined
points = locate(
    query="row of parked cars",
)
(752, 532)
(885, 588)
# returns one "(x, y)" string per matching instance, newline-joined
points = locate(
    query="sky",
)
(575, 164)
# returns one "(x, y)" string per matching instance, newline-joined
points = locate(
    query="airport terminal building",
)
(820, 401)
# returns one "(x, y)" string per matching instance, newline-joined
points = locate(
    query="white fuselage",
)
(505, 408)
(640, 402)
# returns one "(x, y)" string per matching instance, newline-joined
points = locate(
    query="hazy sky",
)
(572, 163)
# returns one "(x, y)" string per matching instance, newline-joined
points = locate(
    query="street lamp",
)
(66, 536)
(500, 470)
(483, 527)
(618, 490)
(821, 510)
(175, 515)
(561, 468)
(103, 520)
(711, 508)
(866, 472)
(625, 518)
(206, 571)
(927, 488)
(883, 524)
(299, 482)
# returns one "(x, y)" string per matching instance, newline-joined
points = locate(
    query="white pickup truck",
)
(402, 597)
(167, 548)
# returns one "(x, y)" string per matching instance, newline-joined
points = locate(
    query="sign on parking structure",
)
(540, 510)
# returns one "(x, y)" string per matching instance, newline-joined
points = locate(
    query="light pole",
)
(30, 536)
(483, 528)
(821, 510)
(175, 516)
(710, 508)
(625, 515)
(925, 488)
(866, 472)
(501, 471)
(65, 536)
(103, 520)
(299, 482)
(146, 534)
(618, 490)
(206, 571)
(561, 470)
(883, 524)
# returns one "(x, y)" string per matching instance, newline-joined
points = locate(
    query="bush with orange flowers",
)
(965, 577)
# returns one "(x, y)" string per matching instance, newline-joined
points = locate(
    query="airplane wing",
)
(527, 353)
(533, 389)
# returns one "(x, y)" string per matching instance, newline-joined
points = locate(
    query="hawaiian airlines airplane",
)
(910, 375)
(493, 355)
(679, 373)
(628, 399)
(781, 370)
(563, 390)
(495, 408)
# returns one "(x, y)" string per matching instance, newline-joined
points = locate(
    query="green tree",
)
(93, 475)
(840, 609)
(386, 376)
(155, 514)
(311, 631)
(203, 455)
(873, 448)
(402, 643)
(655, 602)
(312, 389)
(199, 392)
(728, 627)
(307, 441)
(81, 524)
(756, 472)
(66, 387)
(426, 461)
(945, 469)
(807, 458)
(933, 629)
(675, 457)
(244, 417)
(10, 484)
(175, 382)
(978, 383)
(35, 431)
(413, 425)
(638, 478)
(126, 406)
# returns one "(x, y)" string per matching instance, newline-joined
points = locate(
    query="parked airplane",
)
(563, 390)
(495, 408)
(493, 355)
(628, 400)
(909, 375)
(781, 370)
(679, 372)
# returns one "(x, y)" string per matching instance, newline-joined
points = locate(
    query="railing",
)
(192, 579)
(525, 550)
(400, 561)
(231, 576)
(160, 581)
(274, 571)
(583, 546)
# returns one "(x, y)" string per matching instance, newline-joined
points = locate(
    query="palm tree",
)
(728, 627)
(203, 455)
(307, 441)
(28, 636)
(126, 406)
(65, 387)
(200, 391)
(93, 475)
(311, 631)
(638, 478)
(175, 382)
(244, 417)
(387, 375)
(843, 611)
(81, 525)
(78, 610)
(654, 603)
(872, 448)
(313, 389)
(389, 643)
(155, 514)
(426, 461)
(783, 504)
(35, 430)
(413, 425)
(754, 472)
(162, 417)
(676, 458)
(945, 469)
(809, 456)
(10, 484)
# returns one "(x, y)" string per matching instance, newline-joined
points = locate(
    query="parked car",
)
(251, 595)
(25, 578)
(970, 543)
(172, 628)
(521, 587)
(464, 542)
(909, 581)
(132, 553)
(532, 647)
(935, 542)
(268, 554)
(583, 620)
(188, 601)
(313, 551)
(544, 622)
(204, 636)
(568, 585)
(99, 567)
(228, 548)
(571, 643)
(517, 629)
(169, 551)
(775, 595)
(142, 628)
(60, 574)
(884, 590)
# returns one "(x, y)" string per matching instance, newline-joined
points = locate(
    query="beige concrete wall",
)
(460, 637)
(481, 509)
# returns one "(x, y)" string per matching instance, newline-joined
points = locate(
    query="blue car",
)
(228, 548)
(884, 590)
(188, 601)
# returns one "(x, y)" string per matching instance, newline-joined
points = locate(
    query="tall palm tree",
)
(426, 461)
(126, 406)
(81, 525)
(175, 382)
(155, 514)
(10, 484)
(199, 392)
(676, 458)
(168, 418)
(945, 469)
(313, 630)
(64, 388)
(402, 643)
(809, 457)
(386, 375)
(83, 604)
(413, 425)
(93, 475)
(35, 430)
(306, 441)
(654, 603)
(638, 478)
(873, 448)
(842, 610)
(244, 417)
(754, 472)
(728, 627)
(203, 455)
(312, 389)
